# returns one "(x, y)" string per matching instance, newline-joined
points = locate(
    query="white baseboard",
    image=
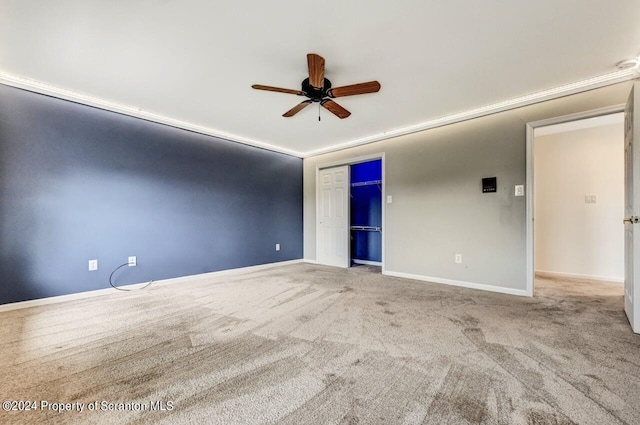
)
(546, 273)
(309, 261)
(99, 292)
(367, 262)
(470, 285)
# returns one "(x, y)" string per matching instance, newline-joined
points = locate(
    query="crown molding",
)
(108, 105)
(529, 99)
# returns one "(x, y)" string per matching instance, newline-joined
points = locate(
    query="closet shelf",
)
(368, 183)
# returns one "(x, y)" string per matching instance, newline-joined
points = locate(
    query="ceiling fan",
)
(318, 89)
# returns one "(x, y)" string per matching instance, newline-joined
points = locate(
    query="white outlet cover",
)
(519, 191)
(133, 261)
(277, 247)
(389, 199)
(458, 258)
(93, 265)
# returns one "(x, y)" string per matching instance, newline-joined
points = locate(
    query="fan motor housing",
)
(313, 93)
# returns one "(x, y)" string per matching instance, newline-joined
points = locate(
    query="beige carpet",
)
(304, 344)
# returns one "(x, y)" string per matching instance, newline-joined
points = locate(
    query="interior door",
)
(333, 216)
(632, 210)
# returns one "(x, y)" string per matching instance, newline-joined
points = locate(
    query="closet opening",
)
(366, 213)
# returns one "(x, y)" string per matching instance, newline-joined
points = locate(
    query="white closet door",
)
(333, 216)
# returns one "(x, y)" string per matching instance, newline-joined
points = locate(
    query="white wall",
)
(572, 237)
(438, 209)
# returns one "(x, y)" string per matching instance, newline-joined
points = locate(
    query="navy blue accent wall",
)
(80, 183)
(366, 210)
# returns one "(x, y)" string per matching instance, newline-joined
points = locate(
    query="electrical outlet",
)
(459, 258)
(93, 265)
(519, 190)
(133, 261)
(277, 247)
(389, 199)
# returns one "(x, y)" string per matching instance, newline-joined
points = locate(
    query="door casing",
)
(529, 188)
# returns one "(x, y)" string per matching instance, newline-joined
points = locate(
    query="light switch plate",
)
(389, 199)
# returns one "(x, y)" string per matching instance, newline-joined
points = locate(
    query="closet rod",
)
(367, 228)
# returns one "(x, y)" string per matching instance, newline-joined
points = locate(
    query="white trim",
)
(529, 99)
(309, 261)
(530, 213)
(367, 262)
(615, 109)
(384, 214)
(470, 285)
(352, 161)
(599, 121)
(106, 291)
(317, 217)
(133, 111)
(546, 273)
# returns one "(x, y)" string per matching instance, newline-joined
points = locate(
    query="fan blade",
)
(335, 109)
(316, 70)
(299, 107)
(362, 88)
(277, 89)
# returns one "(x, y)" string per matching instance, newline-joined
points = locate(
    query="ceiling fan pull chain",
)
(319, 110)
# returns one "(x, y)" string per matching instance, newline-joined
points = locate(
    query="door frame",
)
(352, 161)
(530, 190)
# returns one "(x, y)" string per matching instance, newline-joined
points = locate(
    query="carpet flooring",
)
(307, 344)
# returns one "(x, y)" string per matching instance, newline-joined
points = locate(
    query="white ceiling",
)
(195, 60)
